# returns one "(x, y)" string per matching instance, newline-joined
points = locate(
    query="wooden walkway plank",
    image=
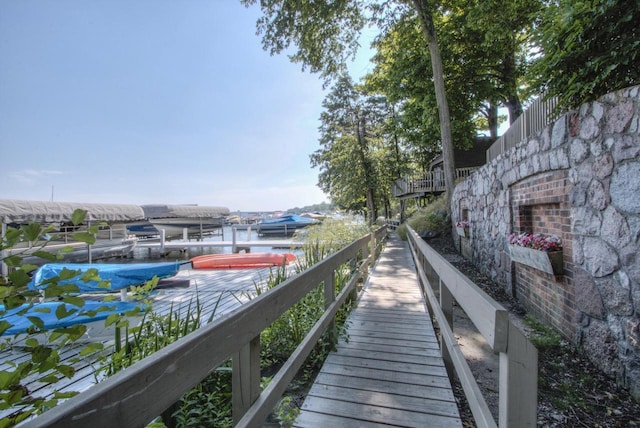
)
(389, 370)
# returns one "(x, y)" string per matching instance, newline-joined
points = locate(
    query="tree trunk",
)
(366, 164)
(426, 21)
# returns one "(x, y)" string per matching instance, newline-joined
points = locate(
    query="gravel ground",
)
(572, 392)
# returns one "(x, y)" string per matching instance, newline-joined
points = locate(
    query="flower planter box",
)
(546, 261)
(463, 231)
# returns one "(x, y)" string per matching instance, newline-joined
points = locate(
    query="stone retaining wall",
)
(578, 178)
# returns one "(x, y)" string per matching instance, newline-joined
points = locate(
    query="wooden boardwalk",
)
(389, 371)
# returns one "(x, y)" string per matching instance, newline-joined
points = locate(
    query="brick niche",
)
(540, 204)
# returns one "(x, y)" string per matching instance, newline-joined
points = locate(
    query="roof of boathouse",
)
(21, 211)
(192, 211)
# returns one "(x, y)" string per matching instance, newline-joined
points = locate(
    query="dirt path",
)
(572, 392)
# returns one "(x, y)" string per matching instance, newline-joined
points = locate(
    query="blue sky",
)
(153, 101)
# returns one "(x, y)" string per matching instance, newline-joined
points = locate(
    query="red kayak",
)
(241, 260)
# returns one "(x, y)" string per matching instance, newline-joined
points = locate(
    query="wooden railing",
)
(429, 182)
(518, 385)
(538, 115)
(137, 395)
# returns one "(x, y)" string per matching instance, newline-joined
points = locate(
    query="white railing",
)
(538, 115)
(518, 385)
(429, 182)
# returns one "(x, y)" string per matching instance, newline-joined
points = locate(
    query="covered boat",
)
(121, 276)
(20, 319)
(284, 225)
(241, 260)
(175, 219)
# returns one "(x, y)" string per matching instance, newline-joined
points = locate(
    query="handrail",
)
(137, 395)
(428, 182)
(518, 386)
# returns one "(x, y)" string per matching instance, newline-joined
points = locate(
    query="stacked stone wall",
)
(578, 178)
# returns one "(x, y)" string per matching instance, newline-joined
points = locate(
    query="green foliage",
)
(432, 218)
(354, 158)
(542, 337)
(44, 362)
(286, 412)
(152, 334)
(209, 403)
(587, 49)
(325, 34)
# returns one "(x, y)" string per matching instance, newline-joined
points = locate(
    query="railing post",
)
(245, 378)
(234, 245)
(329, 298)
(518, 382)
(446, 304)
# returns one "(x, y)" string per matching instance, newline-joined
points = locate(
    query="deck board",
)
(388, 371)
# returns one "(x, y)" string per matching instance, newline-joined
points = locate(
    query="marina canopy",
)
(188, 211)
(21, 212)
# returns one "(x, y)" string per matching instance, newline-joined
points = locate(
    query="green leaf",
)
(86, 237)
(91, 348)
(6, 379)
(14, 396)
(31, 342)
(74, 300)
(111, 319)
(31, 231)
(62, 312)
(4, 326)
(78, 216)
(73, 332)
(14, 301)
(50, 379)
(37, 322)
(46, 255)
(67, 371)
(19, 278)
(12, 261)
(40, 354)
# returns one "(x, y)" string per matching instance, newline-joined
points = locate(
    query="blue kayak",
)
(48, 313)
(120, 275)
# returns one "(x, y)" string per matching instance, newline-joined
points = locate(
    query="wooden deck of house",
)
(389, 371)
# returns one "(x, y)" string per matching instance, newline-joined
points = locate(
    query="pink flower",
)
(536, 241)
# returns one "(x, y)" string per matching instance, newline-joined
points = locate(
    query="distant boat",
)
(241, 260)
(120, 275)
(195, 219)
(284, 225)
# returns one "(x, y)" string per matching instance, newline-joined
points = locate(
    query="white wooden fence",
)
(518, 385)
(538, 115)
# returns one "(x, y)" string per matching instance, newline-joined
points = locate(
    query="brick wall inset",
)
(540, 205)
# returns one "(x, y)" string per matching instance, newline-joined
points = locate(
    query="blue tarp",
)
(48, 312)
(120, 275)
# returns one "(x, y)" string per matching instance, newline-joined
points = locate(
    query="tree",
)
(587, 49)
(326, 34)
(351, 124)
